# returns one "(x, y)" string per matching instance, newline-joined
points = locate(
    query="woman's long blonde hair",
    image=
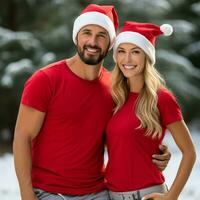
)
(146, 106)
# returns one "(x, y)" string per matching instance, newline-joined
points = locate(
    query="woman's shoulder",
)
(166, 97)
(165, 93)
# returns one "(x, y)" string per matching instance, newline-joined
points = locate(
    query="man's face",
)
(92, 44)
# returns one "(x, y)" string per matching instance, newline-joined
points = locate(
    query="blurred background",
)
(34, 33)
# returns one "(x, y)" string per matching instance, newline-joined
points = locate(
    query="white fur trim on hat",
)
(96, 18)
(137, 39)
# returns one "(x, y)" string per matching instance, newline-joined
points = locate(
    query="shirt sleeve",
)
(169, 109)
(37, 91)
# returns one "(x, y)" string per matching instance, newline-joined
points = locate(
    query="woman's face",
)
(130, 59)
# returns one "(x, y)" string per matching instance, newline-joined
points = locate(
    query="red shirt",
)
(130, 165)
(67, 154)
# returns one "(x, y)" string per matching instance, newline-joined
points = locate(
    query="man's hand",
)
(161, 160)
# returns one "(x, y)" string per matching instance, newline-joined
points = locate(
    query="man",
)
(59, 135)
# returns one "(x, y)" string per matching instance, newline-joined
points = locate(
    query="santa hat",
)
(104, 16)
(143, 35)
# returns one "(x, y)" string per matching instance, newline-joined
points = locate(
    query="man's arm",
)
(161, 160)
(28, 125)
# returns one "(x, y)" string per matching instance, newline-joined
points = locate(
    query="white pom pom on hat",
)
(167, 29)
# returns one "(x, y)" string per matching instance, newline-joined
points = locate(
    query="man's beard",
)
(93, 60)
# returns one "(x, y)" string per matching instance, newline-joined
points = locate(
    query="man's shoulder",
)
(54, 70)
(53, 66)
(106, 77)
(50, 72)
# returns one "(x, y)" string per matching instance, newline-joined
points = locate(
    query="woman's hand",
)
(158, 196)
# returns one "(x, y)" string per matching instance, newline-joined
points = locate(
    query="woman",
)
(144, 110)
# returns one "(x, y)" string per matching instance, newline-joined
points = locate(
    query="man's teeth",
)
(92, 50)
(129, 66)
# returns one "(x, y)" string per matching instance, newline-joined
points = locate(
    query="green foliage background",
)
(34, 33)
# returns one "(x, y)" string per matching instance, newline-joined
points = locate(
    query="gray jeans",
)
(137, 194)
(43, 195)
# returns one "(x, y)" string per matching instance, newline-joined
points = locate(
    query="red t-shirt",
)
(67, 154)
(130, 165)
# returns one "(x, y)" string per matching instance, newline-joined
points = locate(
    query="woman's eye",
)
(136, 52)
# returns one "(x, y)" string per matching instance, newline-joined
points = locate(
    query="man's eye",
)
(86, 33)
(102, 36)
(120, 51)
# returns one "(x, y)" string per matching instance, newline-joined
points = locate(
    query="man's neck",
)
(84, 71)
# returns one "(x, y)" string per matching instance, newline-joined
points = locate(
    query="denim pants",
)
(43, 195)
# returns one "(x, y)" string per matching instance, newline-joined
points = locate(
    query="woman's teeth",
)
(129, 66)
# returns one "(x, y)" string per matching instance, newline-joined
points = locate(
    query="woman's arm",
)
(184, 142)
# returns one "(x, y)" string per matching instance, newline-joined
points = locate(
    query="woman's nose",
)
(127, 58)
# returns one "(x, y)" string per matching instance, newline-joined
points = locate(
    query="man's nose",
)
(93, 40)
